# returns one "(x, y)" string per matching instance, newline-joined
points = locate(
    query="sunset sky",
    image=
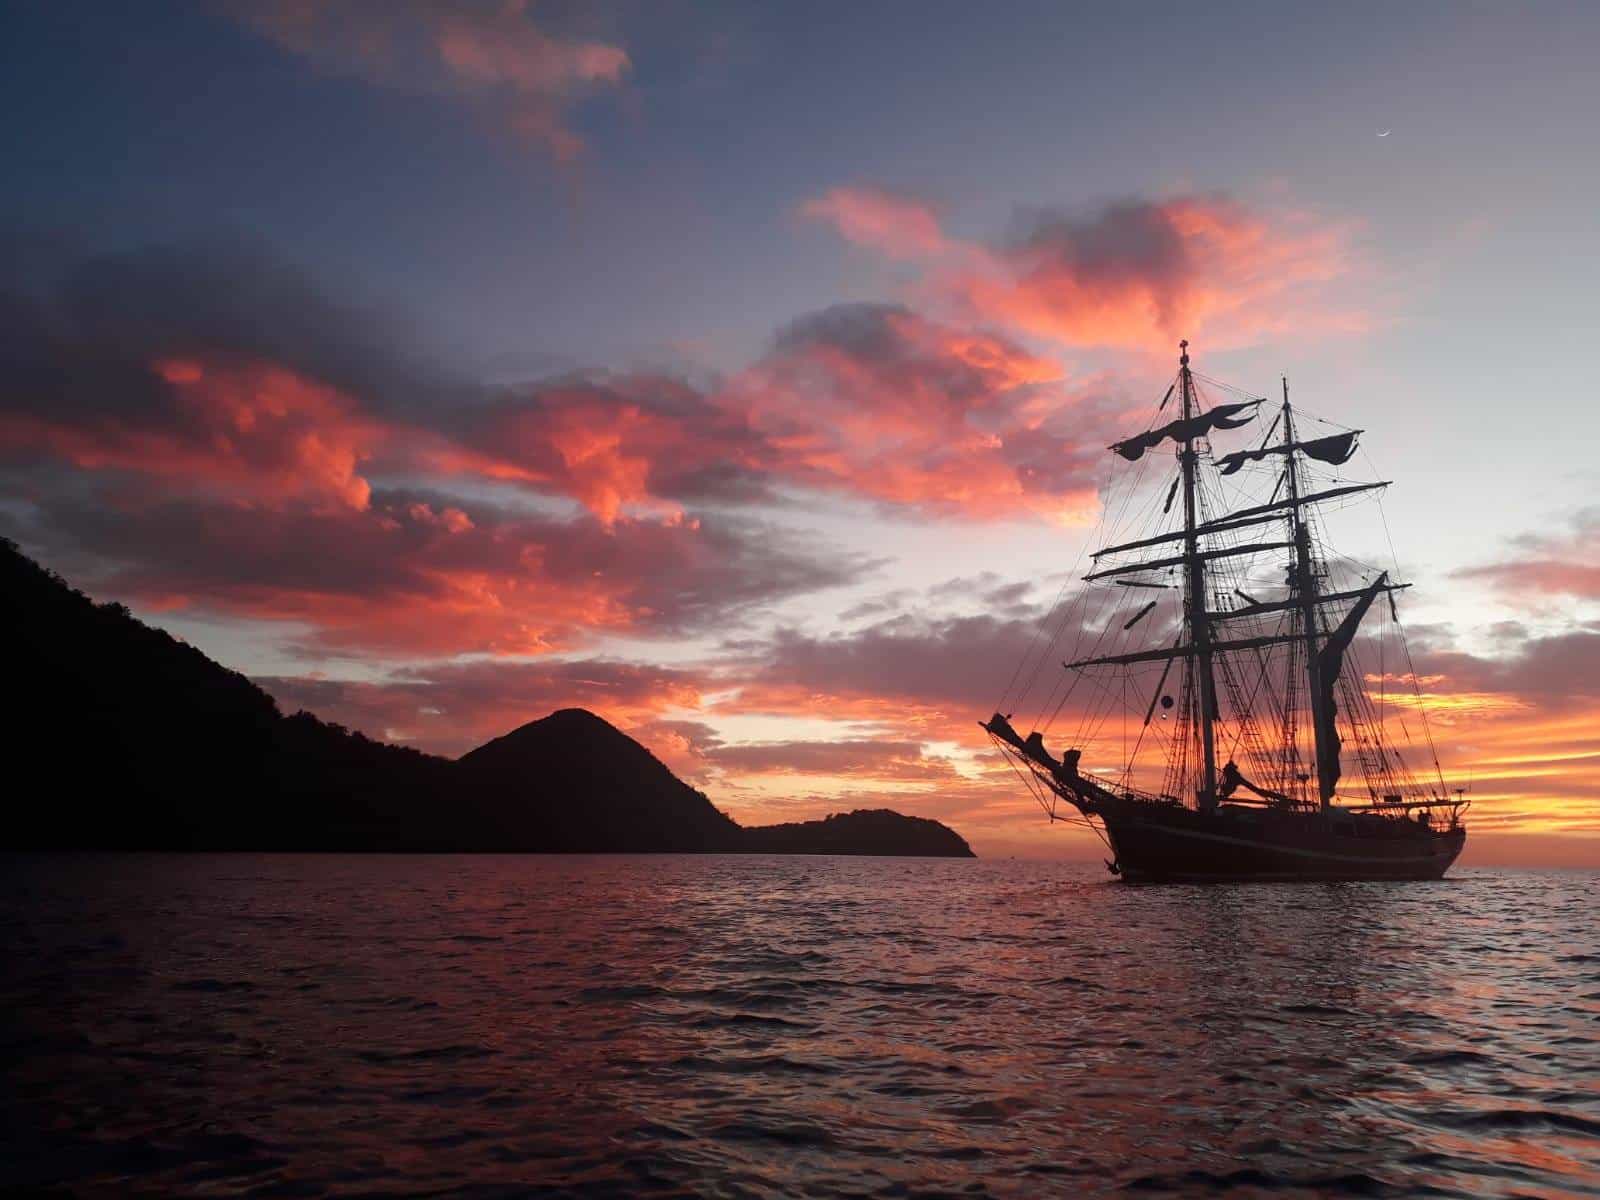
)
(745, 373)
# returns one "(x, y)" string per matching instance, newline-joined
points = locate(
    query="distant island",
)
(134, 740)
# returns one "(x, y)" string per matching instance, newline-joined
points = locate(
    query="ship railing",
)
(1401, 806)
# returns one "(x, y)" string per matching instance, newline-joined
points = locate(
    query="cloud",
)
(612, 441)
(418, 573)
(880, 760)
(864, 401)
(1523, 725)
(218, 368)
(880, 401)
(247, 430)
(1544, 566)
(898, 226)
(1550, 672)
(1140, 273)
(213, 367)
(214, 435)
(81, 332)
(1134, 274)
(955, 665)
(492, 52)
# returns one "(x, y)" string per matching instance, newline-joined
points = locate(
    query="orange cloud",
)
(630, 441)
(882, 402)
(413, 574)
(1134, 275)
(259, 433)
(872, 401)
(1144, 273)
(244, 376)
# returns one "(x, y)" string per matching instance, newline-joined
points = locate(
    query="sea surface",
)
(298, 1025)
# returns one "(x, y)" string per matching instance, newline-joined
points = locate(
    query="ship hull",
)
(1169, 844)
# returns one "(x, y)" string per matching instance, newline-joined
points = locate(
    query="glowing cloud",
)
(640, 441)
(867, 401)
(899, 226)
(880, 401)
(1134, 274)
(413, 574)
(255, 432)
(1141, 273)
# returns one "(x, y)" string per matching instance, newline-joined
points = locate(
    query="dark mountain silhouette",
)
(631, 800)
(864, 831)
(119, 736)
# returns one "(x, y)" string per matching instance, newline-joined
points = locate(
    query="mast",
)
(1306, 591)
(1195, 580)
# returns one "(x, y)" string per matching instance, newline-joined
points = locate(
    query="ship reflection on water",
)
(724, 1024)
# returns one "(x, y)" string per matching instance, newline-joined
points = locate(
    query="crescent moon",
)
(1386, 133)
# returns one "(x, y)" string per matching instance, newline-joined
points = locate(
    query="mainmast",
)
(1306, 592)
(1195, 581)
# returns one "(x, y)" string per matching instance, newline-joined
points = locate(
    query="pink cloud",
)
(1135, 274)
(884, 403)
(642, 441)
(256, 432)
(898, 226)
(492, 51)
(875, 402)
(1544, 565)
(417, 574)
(1143, 273)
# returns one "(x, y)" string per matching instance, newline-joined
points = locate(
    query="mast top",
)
(1183, 357)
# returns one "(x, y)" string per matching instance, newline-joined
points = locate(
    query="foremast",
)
(1199, 623)
(1306, 592)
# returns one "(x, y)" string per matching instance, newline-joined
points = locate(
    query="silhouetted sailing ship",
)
(1238, 776)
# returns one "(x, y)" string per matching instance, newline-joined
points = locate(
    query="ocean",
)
(300, 1025)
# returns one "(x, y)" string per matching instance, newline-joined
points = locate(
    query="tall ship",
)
(1245, 707)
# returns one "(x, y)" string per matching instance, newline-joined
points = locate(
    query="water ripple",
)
(707, 1025)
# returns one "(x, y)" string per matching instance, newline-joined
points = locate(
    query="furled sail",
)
(1330, 660)
(1335, 449)
(1224, 416)
(1260, 514)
